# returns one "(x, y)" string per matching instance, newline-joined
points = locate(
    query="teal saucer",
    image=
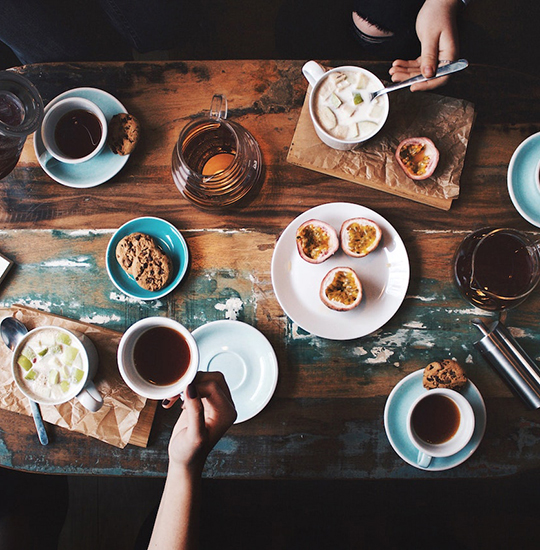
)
(522, 184)
(167, 237)
(395, 420)
(98, 169)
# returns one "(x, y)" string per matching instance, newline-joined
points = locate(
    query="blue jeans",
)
(92, 30)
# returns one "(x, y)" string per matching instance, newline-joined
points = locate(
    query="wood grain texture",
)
(325, 420)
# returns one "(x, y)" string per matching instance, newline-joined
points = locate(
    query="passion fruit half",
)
(418, 157)
(359, 237)
(316, 241)
(341, 289)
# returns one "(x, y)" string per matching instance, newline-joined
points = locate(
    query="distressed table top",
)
(326, 417)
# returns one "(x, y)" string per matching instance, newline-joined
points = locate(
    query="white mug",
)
(464, 428)
(316, 76)
(55, 112)
(126, 359)
(84, 390)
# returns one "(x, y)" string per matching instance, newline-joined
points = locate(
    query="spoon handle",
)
(450, 68)
(38, 421)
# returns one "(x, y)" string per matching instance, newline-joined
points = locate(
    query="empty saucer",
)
(246, 359)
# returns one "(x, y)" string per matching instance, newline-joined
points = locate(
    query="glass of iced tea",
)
(497, 268)
(216, 162)
(21, 112)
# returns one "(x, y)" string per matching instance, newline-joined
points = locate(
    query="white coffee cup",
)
(452, 443)
(53, 115)
(126, 360)
(84, 390)
(316, 76)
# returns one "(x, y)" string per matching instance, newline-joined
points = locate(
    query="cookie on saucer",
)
(444, 374)
(141, 257)
(123, 133)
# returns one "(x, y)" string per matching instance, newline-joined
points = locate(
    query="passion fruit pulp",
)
(359, 237)
(418, 157)
(316, 241)
(341, 289)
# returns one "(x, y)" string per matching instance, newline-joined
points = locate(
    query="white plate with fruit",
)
(333, 305)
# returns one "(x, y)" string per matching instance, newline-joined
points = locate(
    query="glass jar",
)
(21, 113)
(216, 162)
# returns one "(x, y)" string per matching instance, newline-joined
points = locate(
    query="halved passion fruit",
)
(341, 289)
(418, 157)
(316, 241)
(359, 237)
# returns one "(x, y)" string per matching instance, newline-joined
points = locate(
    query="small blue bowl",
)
(167, 237)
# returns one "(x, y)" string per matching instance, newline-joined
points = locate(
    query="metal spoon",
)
(449, 68)
(13, 332)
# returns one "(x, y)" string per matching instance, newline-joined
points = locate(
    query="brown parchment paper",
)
(124, 418)
(447, 121)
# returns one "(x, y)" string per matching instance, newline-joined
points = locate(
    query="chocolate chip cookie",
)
(141, 257)
(123, 133)
(444, 374)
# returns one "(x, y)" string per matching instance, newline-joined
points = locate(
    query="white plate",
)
(246, 359)
(98, 169)
(522, 179)
(384, 274)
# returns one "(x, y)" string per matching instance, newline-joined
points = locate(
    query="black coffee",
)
(78, 133)
(436, 419)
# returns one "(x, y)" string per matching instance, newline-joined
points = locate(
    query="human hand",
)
(208, 412)
(437, 31)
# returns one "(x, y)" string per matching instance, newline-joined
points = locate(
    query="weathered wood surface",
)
(325, 420)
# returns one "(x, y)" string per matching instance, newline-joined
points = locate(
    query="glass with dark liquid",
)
(497, 268)
(216, 162)
(21, 112)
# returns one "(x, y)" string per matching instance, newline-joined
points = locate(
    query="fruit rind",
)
(359, 237)
(419, 162)
(341, 289)
(316, 241)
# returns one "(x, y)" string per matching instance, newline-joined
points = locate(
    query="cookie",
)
(143, 259)
(444, 374)
(123, 133)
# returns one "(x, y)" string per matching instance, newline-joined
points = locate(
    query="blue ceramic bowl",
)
(171, 242)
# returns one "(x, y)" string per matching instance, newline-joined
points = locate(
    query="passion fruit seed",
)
(360, 237)
(314, 241)
(342, 289)
(414, 159)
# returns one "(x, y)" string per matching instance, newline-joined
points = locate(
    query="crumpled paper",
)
(446, 121)
(118, 418)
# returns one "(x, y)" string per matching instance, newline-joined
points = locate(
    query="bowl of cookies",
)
(147, 258)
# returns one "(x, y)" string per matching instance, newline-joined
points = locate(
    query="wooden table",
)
(326, 417)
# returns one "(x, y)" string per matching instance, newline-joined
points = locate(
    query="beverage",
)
(496, 268)
(21, 111)
(78, 133)
(436, 419)
(216, 162)
(161, 356)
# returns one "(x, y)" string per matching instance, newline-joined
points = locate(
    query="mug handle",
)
(423, 459)
(313, 72)
(218, 107)
(90, 398)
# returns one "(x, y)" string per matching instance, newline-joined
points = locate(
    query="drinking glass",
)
(216, 162)
(497, 268)
(21, 112)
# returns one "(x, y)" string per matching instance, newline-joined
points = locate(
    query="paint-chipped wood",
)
(325, 420)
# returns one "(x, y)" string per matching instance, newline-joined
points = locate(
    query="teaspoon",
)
(449, 68)
(13, 332)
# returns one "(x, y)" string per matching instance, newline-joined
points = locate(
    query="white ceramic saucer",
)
(395, 418)
(246, 359)
(98, 169)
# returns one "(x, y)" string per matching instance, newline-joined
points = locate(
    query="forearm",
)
(176, 526)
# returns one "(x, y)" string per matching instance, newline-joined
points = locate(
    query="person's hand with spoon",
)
(437, 31)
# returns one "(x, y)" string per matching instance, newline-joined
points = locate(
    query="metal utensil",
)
(13, 332)
(450, 68)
